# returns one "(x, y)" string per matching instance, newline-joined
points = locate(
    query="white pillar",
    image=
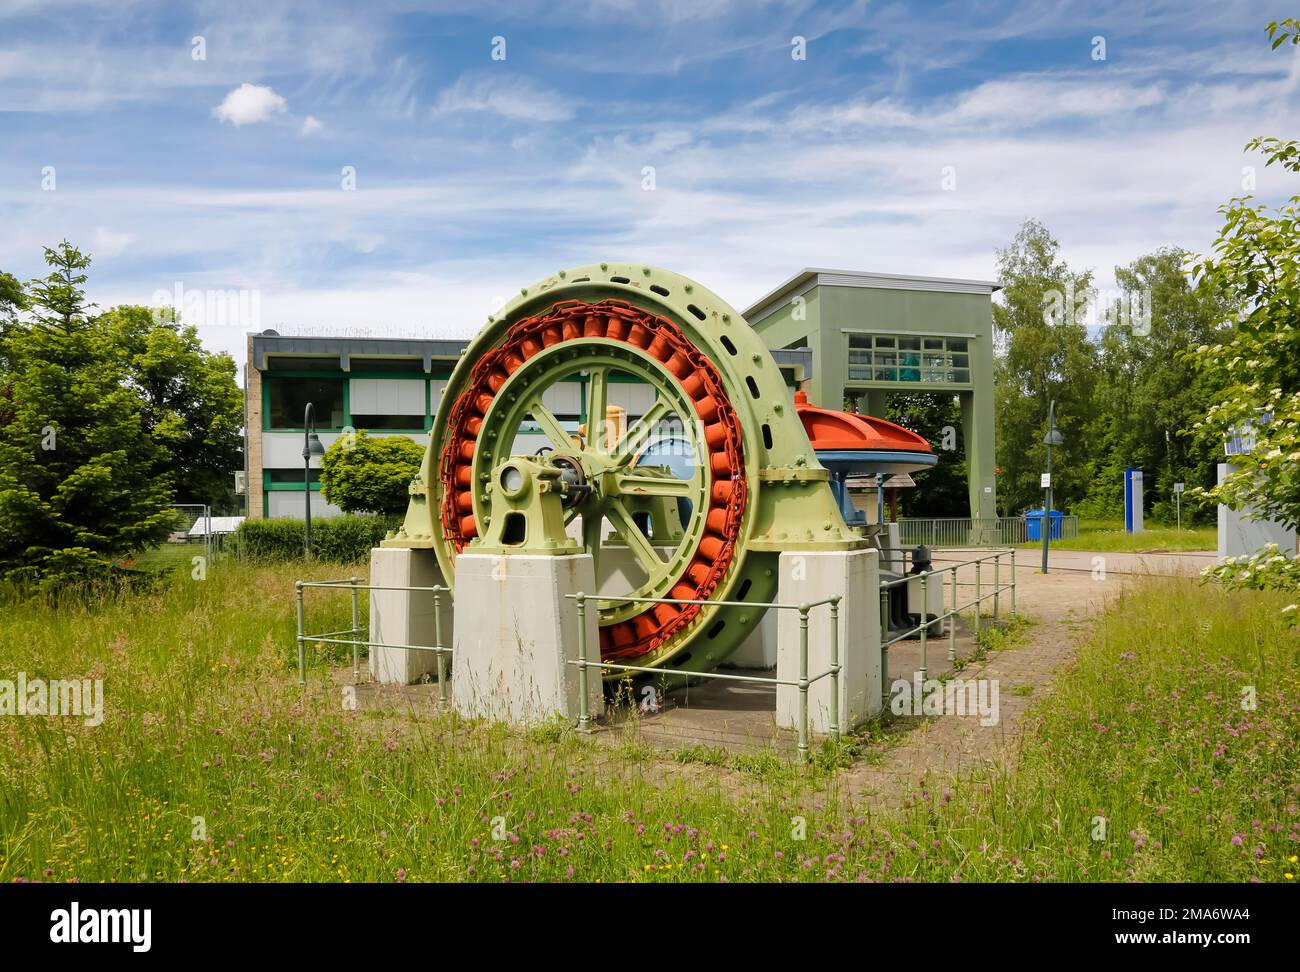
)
(812, 576)
(406, 617)
(516, 632)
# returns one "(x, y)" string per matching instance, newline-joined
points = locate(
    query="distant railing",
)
(944, 576)
(988, 531)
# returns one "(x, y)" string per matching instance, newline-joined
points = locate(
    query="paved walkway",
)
(1062, 604)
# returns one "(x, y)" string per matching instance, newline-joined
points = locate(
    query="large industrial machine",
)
(694, 499)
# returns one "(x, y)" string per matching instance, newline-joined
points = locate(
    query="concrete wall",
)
(1239, 536)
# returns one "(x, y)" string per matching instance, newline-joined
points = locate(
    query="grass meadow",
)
(1108, 536)
(213, 764)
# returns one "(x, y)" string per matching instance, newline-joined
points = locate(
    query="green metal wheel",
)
(707, 528)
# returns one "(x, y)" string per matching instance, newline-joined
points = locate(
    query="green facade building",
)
(874, 335)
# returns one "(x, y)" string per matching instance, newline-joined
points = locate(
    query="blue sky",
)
(475, 176)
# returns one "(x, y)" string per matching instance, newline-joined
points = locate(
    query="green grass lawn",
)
(212, 764)
(1106, 536)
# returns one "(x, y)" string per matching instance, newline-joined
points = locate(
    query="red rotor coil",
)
(573, 320)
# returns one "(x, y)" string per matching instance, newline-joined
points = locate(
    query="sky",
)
(395, 168)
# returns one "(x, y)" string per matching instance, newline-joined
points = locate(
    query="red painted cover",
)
(831, 430)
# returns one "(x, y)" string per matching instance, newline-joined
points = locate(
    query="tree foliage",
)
(1254, 268)
(1046, 356)
(80, 478)
(1148, 395)
(364, 474)
(193, 407)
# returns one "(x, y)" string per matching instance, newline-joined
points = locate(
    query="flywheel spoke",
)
(550, 425)
(639, 433)
(637, 541)
(597, 398)
(635, 484)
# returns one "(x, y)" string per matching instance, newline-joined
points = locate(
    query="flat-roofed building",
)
(872, 336)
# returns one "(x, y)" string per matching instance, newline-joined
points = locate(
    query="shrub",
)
(360, 474)
(344, 539)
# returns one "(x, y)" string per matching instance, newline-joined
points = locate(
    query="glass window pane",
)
(962, 375)
(886, 374)
(884, 342)
(934, 344)
(288, 398)
(961, 361)
(860, 340)
(910, 343)
(956, 344)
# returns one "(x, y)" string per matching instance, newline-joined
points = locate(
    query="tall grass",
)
(212, 764)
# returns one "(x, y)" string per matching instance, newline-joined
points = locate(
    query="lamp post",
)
(1053, 438)
(311, 446)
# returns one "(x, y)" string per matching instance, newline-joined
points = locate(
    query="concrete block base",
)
(515, 633)
(759, 649)
(854, 575)
(406, 617)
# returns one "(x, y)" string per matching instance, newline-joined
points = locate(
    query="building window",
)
(387, 403)
(289, 478)
(906, 358)
(287, 400)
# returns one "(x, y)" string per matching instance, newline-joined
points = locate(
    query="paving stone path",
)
(1062, 604)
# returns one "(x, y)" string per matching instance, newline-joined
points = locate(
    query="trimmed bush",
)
(344, 539)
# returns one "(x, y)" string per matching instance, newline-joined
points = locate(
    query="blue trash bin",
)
(1034, 524)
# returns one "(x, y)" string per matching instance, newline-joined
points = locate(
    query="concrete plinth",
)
(759, 649)
(406, 617)
(516, 632)
(806, 577)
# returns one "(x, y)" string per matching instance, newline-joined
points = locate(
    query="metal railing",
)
(332, 637)
(802, 683)
(923, 580)
(991, 531)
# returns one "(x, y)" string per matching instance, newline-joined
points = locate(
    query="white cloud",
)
(109, 243)
(249, 104)
(515, 98)
(311, 124)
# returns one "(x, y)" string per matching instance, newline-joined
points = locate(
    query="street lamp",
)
(1053, 438)
(311, 446)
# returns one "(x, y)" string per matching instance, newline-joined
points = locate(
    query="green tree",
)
(941, 489)
(361, 474)
(1255, 270)
(1046, 356)
(193, 407)
(80, 481)
(1148, 393)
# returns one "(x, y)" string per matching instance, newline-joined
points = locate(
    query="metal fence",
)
(946, 576)
(358, 629)
(802, 683)
(358, 636)
(990, 531)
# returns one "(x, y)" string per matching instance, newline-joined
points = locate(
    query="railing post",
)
(803, 683)
(978, 598)
(356, 630)
(997, 582)
(438, 647)
(1013, 582)
(884, 645)
(584, 718)
(952, 619)
(302, 647)
(835, 668)
(925, 617)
